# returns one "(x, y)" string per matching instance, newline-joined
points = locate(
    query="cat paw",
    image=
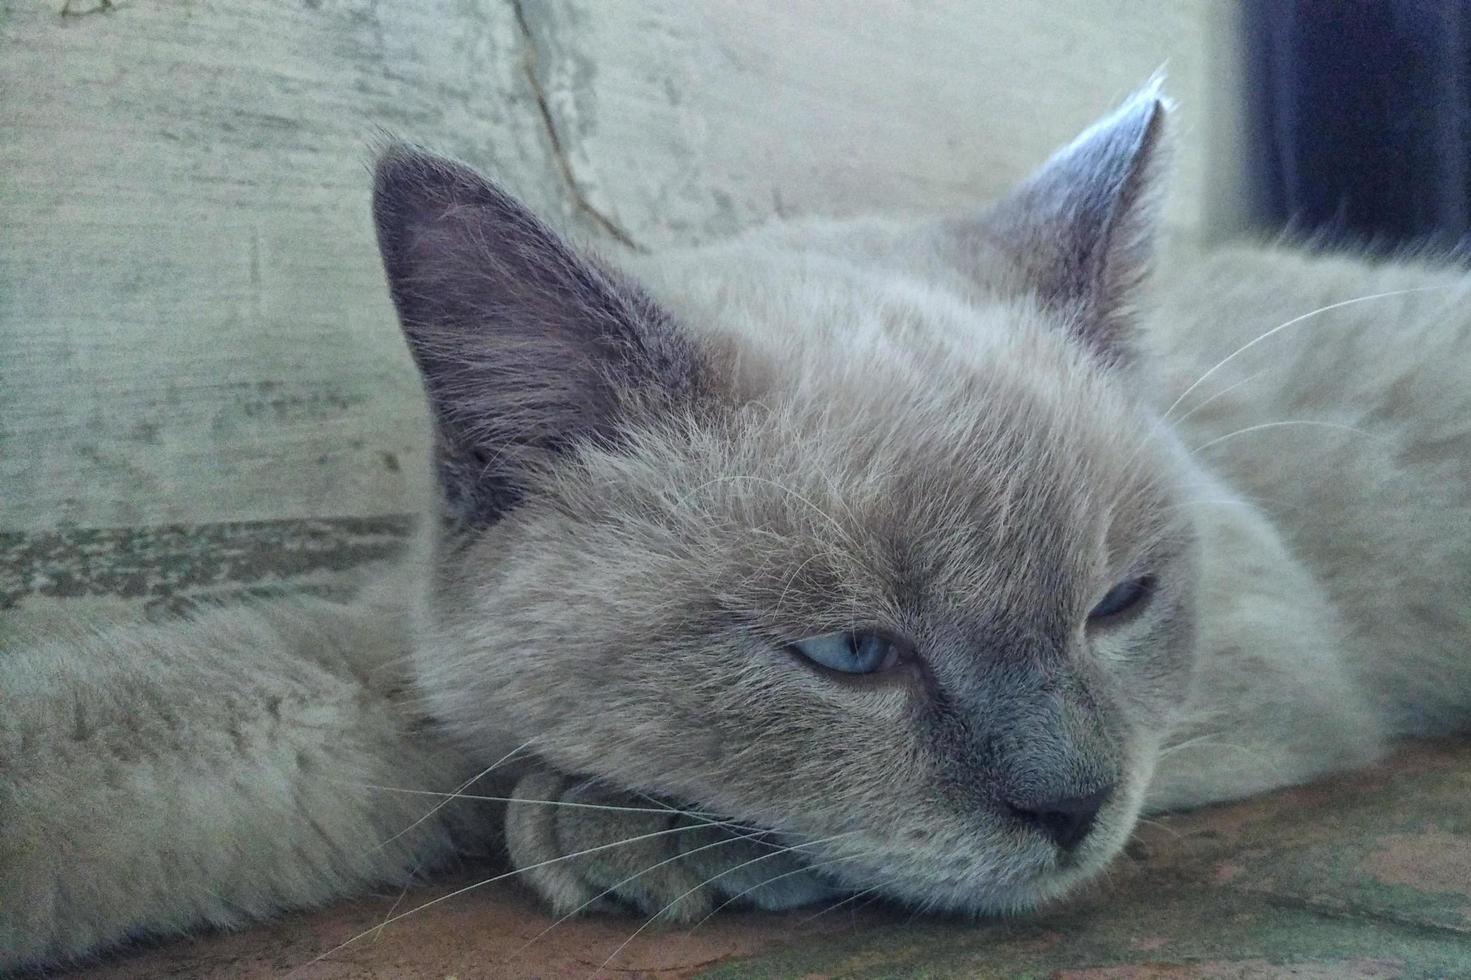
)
(583, 846)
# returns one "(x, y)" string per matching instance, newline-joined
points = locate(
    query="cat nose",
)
(1065, 820)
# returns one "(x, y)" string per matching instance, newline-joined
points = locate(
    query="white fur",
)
(154, 779)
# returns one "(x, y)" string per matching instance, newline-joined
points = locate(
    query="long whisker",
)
(1212, 740)
(1209, 501)
(489, 881)
(633, 877)
(1159, 825)
(1275, 425)
(1224, 391)
(711, 818)
(458, 790)
(876, 896)
(1154, 432)
(402, 894)
(1255, 502)
(1191, 742)
(518, 799)
(1283, 326)
(785, 874)
(678, 898)
(1167, 424)
(707, 819)
(871, 890)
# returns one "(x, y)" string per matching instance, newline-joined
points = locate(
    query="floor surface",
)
(1365, 876)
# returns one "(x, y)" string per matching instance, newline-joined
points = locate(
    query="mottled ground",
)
(1367, 876)
(1364, 876)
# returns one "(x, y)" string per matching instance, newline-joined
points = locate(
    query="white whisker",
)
(519, 799)
(633, 877)
(1212, 740)
(1209, 501)
(786, 874)
(1160, 825)
(490, 881)
(875, 897)
(402, 894)
(458, 790)
(678, 898)
(871, 890)
(1275, 425)
(1224, 391)
(1190, 742)
(1283, 326)
(712, 819)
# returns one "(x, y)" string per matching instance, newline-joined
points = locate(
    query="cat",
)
(912, 556)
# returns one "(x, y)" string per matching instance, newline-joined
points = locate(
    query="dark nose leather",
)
(1065, 821)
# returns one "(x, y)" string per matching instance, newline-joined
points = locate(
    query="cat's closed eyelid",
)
(1123, 602)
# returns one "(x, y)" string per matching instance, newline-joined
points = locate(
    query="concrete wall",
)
(192, 324)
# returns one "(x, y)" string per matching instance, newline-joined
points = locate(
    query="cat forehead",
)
(855, 363)
(804, 287)
(886, 466)
(800, 525)
(789, 322)
(825, 337)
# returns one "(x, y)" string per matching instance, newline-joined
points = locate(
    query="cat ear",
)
(1080, 233)
(525, 347)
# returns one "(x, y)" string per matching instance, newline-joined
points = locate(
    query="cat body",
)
(910, 556)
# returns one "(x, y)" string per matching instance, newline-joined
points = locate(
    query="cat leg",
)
(581, 845)
(159, 779)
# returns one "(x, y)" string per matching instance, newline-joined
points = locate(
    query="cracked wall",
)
(192, 320)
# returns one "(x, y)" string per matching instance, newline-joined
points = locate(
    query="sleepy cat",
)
(917, 558)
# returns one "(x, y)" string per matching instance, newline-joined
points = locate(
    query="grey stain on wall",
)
(177, 563)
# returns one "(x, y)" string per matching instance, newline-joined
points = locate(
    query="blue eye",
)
(851, 652)
(1123, 598)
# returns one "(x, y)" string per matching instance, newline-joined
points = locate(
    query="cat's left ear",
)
(1080, 233)
(528, 349)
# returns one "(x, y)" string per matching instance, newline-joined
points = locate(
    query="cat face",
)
(858, 533)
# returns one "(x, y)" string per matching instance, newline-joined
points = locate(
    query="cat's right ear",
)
(1079, 234)
(527, 349)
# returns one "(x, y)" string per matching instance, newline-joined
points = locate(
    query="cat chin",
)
(981, 885)
(999, 879)
(981, 896)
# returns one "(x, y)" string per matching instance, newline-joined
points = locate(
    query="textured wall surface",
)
(192, 324)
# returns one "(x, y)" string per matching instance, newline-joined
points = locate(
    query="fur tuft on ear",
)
(525, 347)
(1080, 233)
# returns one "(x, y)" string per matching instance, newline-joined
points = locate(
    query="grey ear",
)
(1080, 232)
(526, 348)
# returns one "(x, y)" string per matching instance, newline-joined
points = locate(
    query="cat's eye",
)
(1129, 596)
(850, 652)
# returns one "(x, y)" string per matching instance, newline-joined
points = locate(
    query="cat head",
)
(863, 532)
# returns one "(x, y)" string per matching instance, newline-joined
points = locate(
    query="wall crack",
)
(73, 9)
(559, 154)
